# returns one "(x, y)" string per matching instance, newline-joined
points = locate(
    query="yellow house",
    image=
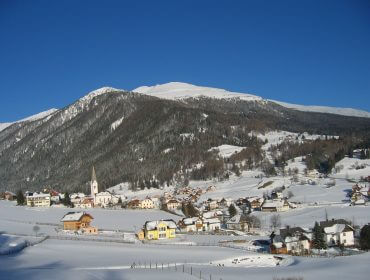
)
(163, 229)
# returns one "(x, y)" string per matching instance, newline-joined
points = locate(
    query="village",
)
(221, 217)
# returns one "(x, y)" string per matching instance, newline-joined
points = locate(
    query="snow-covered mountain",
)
(30, 118)
(325, 109)
(178, 90)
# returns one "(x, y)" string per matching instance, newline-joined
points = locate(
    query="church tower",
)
(93, 184)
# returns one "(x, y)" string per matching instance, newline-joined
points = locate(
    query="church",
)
(105, 198)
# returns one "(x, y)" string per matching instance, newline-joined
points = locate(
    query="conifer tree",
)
(232, 210)
(20, 198)
(318, 239)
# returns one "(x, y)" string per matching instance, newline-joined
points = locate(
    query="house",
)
(296, 239)
(162, 229)
(256, 203)
(147, 203)
(79, 221)
(85, 203)
(212, 204)
(277, 245)
(156, 202)
(313, 173)
(225, 202)
(173, 204)
(10, 196)
(342, 234)
(213, 224)
(238, 222)
(38, 199)
(277, 195)
(133, 204)
(275, 206)
(77, 198)
(193, 224)
(104, 199)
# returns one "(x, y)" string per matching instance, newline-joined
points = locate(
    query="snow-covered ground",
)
(227, 151)
(55, 259)
(352, 168)
(15, 219)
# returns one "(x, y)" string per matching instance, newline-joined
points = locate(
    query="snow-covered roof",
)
(208, 215)
(153, 224)
(35, 194)
(273, 203)
(212, 221)
(336, 228)
(190, 221)
(234, 220)
(74, 216)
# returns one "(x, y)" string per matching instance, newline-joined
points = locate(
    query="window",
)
(344, 234)
(162, 235)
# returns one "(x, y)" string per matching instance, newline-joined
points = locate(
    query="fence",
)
(196, 272)
(92, 239)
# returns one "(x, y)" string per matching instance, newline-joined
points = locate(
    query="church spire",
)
(93, 175)
(94, 184)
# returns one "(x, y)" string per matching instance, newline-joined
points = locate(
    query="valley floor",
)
(68, 259)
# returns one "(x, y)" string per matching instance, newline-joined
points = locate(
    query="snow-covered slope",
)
(177, 90)
(4, 125)
(31, 118)
(324, 109)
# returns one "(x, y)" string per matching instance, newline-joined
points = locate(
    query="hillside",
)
(148, 139)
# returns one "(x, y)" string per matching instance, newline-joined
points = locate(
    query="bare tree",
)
(275, 221)
(36, 229)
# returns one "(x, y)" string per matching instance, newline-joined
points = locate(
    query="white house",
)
(146, 203)
(213, 224)
(192, 224)
(38, 199)
(103, 199)
(298, 244)
(340, 233)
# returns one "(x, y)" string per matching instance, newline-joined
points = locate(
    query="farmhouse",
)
(79, 221)
(275, 206)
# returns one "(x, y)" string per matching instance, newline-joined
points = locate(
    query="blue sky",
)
(306, 52)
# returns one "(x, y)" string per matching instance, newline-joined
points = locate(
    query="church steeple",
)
(93, 175)
(94, 183)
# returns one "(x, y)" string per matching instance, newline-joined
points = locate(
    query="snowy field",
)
(15, 219)
(88, 260)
